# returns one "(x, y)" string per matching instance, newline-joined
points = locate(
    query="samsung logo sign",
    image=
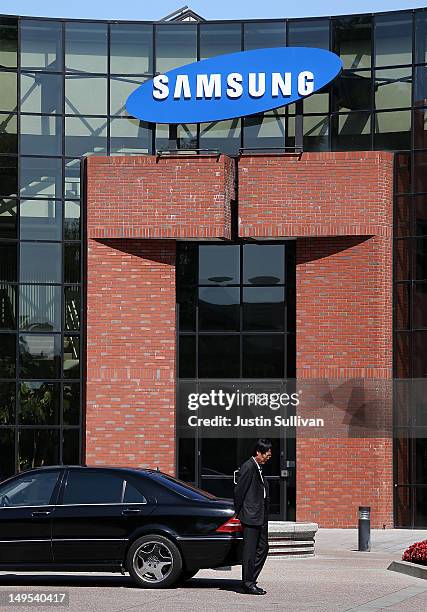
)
(234, 85)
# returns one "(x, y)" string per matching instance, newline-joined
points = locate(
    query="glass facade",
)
(63, 86)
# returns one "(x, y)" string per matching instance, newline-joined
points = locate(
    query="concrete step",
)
(288, 539)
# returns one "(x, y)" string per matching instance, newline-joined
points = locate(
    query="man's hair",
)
(262, 445)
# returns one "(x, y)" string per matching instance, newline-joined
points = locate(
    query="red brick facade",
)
(339, 208)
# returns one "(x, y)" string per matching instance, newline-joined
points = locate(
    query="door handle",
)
(41, 513)
(131, 511)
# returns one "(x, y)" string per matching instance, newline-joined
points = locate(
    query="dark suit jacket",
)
(249, 500)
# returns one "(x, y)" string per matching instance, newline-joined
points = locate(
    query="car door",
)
(96, 512)
(26, 506)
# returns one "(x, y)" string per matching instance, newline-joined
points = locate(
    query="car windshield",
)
(184, 488)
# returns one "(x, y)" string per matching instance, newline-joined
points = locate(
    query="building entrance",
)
(236, 326)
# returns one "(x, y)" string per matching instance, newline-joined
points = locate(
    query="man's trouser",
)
(255, 550)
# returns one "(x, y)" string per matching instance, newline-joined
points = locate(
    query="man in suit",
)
(251, 501)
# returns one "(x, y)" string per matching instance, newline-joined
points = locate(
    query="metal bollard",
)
(364, 528)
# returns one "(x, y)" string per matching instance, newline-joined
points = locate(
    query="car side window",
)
(93, 487)
(29, 490)
(132, 495)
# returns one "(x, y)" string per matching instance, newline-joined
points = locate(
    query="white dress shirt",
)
(260, 473)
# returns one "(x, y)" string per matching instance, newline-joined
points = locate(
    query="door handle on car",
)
(41, 513)
(130, 511)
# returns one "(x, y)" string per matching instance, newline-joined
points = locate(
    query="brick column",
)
(339, 208)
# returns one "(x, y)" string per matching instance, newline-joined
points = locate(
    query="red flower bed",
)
(417, 553)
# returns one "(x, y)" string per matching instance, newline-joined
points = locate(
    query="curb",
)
(411, 569)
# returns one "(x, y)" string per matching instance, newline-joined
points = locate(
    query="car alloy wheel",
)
(154, 561)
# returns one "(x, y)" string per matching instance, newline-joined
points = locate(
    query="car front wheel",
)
(154, 562)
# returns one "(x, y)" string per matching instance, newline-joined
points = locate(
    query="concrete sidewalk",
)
(338, 578)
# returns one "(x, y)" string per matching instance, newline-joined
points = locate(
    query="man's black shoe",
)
(263, 591)
(254, 590)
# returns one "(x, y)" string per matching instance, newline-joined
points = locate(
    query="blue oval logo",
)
(234, 85)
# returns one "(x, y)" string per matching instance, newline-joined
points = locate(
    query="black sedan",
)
(150, 524)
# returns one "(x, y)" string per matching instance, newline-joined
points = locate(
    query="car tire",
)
(154, 562)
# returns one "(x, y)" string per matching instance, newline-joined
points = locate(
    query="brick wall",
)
(339, 207)
(130, 403)
(167, 197)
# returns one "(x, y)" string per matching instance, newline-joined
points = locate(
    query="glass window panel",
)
(72, 178)
(71, 446)
(131, 48)
(187, 356)
(71, 403)
(72, 308)
(393, 88)
(7, 407)
(38, 447)
(77, 100)
(39, 356)
(41, 45)
(8, 91)
(420, 86)
(7, 307)
(120, 89)
(41, 93)
(263, 356)
(420, 506)
(317, 103)
(8, 225)
(352, 91)
(402, 304)
(420, 128)
(420, 207)
(315, 132)
(8, 261)
(219, 308)
(402, 355)
(420, 171)
(309, 33)
(403, 259)
(71, 357)
(263, 131)
(9, 176)
(39, 403)
(7, 355)
(419, 356)
(86, 47)
(393, 130)
(129, 136)
(93, 487)
(219, 39)
(40, 307)
(30, 489)
(41, 134)
(263, 35)
(421, 469)
(263, 264)
(7, 444)
(41, 176)
(8, 42)
(263, 308)
(420, 304)
(187, 263)
(41, 220)
(219, 264)
(72, 220)
(403, 507)
(393, 39)
(186, 137)
(420, 37)
(176, 45)
(402, 216)
(403, 172)
(219, 356)
(223, 136)
(71, 263)
(353, 40)
(421, 258)
(351, 132)
(8, 134)
(40, 262)
(187, 308)
(85, 136)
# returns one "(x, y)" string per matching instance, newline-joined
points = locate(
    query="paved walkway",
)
(338, 579)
